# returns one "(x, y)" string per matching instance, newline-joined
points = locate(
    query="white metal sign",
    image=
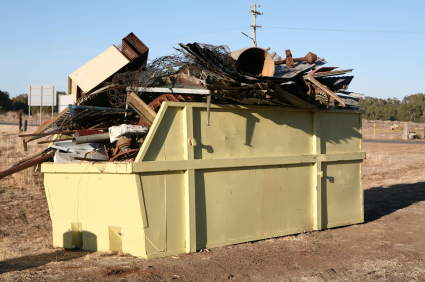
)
(44, 95)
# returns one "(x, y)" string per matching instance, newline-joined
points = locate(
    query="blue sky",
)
(42, 42)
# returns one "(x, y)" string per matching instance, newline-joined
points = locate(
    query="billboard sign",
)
(44, 95)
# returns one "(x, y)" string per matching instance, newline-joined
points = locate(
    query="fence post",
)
(20, 121)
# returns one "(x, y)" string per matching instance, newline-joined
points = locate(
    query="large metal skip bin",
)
(256, 172)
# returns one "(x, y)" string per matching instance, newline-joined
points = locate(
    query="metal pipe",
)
(96, 138)
(254, 60)
(26, 165)
(56, 140)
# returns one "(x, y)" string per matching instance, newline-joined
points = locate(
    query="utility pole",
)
(254, 23)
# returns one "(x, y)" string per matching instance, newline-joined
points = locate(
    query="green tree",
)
(5, 102)
(20, 102)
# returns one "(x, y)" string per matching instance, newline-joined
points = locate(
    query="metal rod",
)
(170, 90)
(87, 159)
(208, 109)
(56, 140)
(26, 165)
(47, 133)
(96, 138)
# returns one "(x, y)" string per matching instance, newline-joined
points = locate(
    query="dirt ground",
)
(389, 246)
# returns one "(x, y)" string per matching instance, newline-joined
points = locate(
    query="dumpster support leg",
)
(189, 181)
(208, 109)
(317, 174)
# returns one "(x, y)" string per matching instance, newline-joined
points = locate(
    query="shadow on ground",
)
(26, 262)
(380, 201)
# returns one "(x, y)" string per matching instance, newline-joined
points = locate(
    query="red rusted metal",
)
(130, 154)
(133, 47)
(289, 60)
(27, 165)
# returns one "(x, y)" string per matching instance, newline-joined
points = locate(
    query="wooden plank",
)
(291, 99)
(141, 107)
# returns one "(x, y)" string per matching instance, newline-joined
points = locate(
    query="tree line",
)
(411, 108)
(20, 103)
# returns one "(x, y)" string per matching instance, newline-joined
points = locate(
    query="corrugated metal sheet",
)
(336, 83)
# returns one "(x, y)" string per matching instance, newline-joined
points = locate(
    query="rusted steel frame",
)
(56, 140)
(47, 133)
(141, 108)
(289, 60)
(26, 165)
(310, 58)
(325, 89)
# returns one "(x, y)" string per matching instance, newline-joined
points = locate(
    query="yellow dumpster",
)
(255, 172)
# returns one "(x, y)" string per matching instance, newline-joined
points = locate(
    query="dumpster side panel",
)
(340, 132)
(254, 173)
(342, 194)
(243, 133)
(87, 208)
(167, 143)
(240, 205)
(165, 209)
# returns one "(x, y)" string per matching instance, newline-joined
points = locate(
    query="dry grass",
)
(13, 117)
(11, 150)
(23, 205)
(389, 164)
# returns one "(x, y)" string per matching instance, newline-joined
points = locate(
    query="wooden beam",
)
(141, 107)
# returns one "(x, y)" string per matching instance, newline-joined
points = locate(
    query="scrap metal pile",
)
(118, 94)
